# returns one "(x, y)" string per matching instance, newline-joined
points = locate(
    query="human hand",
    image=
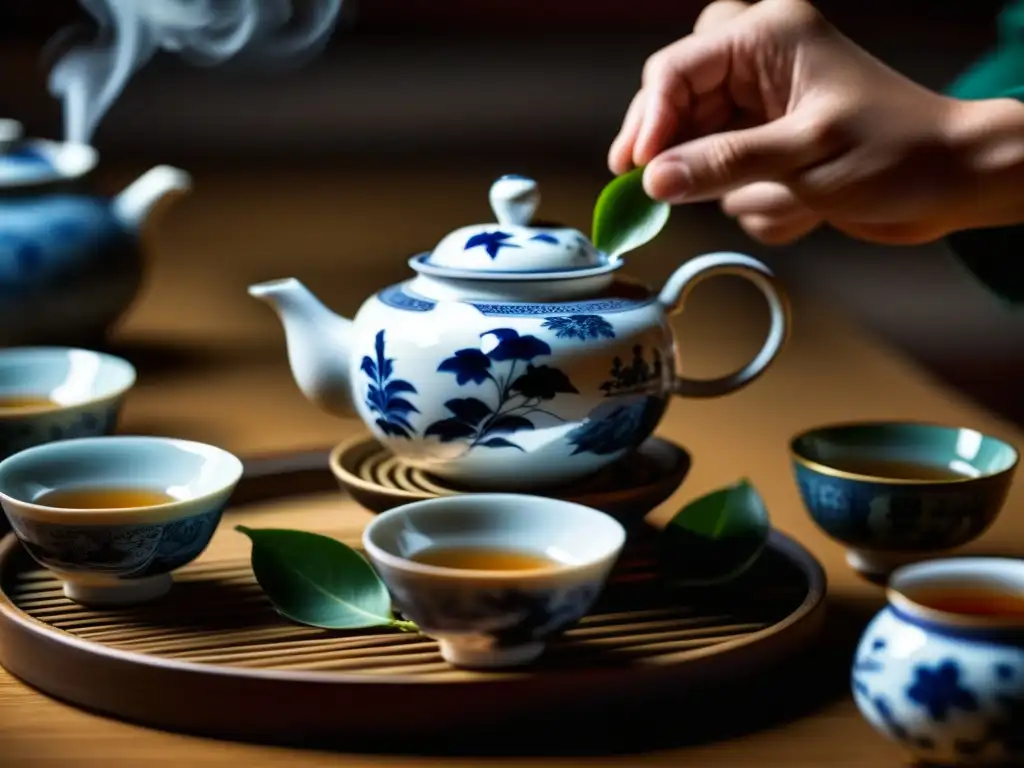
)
(770, 110)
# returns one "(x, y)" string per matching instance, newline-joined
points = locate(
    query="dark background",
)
(535, 86)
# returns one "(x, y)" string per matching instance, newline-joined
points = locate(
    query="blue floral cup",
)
(86, 391)
(948, 687)
(499, 618)
(118, 556)
(893, 492)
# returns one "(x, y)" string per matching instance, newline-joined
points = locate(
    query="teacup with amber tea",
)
(493, 577)
(895, 492)
(112, 516)
(940, 670)
(57, 393)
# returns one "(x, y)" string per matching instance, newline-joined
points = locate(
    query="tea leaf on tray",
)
(625, 218)
(716, 538)
(319, 581)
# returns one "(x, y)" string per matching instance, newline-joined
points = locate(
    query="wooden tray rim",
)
(299, 462)
(364, 440)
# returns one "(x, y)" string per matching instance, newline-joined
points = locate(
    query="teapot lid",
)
(515, 247)
(34, 161)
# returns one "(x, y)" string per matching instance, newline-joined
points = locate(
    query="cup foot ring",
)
(121, 592)
(878, 565)
(460, 655)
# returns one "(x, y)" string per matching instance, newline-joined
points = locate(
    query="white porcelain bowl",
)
(86, 388)
(494, 618)
(118, 556)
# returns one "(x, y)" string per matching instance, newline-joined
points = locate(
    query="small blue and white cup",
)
(947, 686)
(118, 556)
(86, 391)
(494, 618)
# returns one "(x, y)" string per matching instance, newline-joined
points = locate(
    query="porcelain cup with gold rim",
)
(940, 670)
(896, 492)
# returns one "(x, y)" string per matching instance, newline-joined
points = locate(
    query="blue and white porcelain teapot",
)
(71, 262)
(516, 357)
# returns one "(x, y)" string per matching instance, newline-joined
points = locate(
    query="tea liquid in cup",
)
(484, 559)
(493, 576)
(113, 516)
(26, 402)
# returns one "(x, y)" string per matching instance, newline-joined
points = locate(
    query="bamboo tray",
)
(214, 658)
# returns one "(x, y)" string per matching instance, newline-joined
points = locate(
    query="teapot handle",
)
(689, 275)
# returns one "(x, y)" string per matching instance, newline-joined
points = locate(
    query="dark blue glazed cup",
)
(126, 555)
(946, 686)
(855, 483)
(494, 618)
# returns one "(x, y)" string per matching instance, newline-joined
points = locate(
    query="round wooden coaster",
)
(214, 658)
(627, 490)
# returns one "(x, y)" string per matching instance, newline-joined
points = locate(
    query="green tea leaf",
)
(625, 218)
(717, 538)
(319, 581)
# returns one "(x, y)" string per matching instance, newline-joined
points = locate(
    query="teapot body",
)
(68, 269)
(508, 394)
(516, 358)
(70, 261)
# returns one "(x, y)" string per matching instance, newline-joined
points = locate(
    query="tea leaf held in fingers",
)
(319, 581)
(717, 538)
(625, 218)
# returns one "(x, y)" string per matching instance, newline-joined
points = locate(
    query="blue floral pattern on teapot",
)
(516, 357)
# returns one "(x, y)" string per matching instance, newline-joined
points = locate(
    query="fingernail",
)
(670, 181)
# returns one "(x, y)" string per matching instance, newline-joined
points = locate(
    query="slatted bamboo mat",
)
(217, 627)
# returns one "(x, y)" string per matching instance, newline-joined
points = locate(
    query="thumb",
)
(710, 166)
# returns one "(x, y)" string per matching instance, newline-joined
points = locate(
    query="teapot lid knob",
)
(10, 134)
(514, 200)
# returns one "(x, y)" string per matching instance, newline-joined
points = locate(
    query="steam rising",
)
(89, 78)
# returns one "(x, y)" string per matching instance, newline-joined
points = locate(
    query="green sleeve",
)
(992, 254)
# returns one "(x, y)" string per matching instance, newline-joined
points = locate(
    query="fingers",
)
(659, 123)
(675, 78)
(711, 166)
(718, 13)
(779, 230)
(672, 77)
(768, 198)
(620, 155)
(770, 212)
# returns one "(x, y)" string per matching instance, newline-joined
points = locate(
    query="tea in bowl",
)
(58, 393)
(493, 577)
(113, 516)
(895, 492)
(940, 670)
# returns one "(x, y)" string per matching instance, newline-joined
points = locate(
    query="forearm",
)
(987, 137)
(990, 134)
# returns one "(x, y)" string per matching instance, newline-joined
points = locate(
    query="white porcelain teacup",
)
(492, 577)
(112, 516)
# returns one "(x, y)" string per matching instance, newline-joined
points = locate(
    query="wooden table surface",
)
(212, 367)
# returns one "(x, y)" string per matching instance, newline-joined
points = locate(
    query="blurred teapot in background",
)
(71, 262)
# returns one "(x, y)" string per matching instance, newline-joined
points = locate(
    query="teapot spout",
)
(318, 342)
(134, 204)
